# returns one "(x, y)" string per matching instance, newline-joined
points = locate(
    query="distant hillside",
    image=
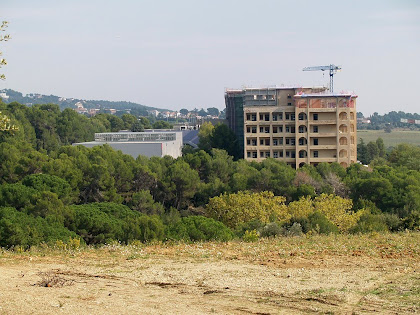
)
(33, 98)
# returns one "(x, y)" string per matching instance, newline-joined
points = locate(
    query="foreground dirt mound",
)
(340, 275)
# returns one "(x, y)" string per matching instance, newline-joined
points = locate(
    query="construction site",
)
(298, 125)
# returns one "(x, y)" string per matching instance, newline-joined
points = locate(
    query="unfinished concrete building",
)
(296, 125)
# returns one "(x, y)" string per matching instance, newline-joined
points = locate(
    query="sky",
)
(185, 53)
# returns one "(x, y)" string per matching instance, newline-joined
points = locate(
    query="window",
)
(280, 128)
(261, 117)
(248, 129)
(275, 154)
(274, 117)
(280, 116)
(293, 129)
(293, 154)
(275, 142)
(267, 117)
(288, 129)
(262, 154)
(289, 104)
(248, 141)
(261, 129)
(267, 154)
(281, 153)
(289, 96)
(254, 142)
(290, 141)
(254, 129)
(315, 116)
(287, 116)
(315, 128)
(254, 117)
(267, 129)
(287, 153)
(254, 154)
(315, 154)
(248, 154)
(261, 141)
(292, 116)
(267, 141)
(315, 141)
(274, 129)
(248, 117)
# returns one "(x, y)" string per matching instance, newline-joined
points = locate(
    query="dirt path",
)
(116, 282)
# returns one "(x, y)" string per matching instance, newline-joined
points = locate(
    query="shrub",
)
(235, 209)
(370, 223)
(20, 229)
(251, 236)
(199, 228)
(271, 230)
(318, 222)
(249, 226)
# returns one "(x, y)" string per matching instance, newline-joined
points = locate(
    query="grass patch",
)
(390, 139)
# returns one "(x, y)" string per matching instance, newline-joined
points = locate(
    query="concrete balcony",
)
(323, 134)
(323, 159)
(323, 147)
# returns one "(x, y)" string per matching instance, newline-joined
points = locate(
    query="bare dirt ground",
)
(375, 274)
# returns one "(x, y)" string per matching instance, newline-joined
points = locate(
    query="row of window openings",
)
(266, 117)
(268, 97)
(288, 116)
(279, 129)
(279, 154)
(279, 141)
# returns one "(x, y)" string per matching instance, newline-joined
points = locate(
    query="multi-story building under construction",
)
(296, 125)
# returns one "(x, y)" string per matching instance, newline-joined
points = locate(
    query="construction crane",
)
(332, 68)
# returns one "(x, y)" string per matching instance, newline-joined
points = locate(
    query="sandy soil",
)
(190, 280)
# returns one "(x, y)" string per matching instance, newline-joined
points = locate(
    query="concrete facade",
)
(296, 125)
(150, 143)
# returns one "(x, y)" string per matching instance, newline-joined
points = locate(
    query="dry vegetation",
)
(336, 274)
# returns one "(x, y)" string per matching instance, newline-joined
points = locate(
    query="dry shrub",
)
(52, 279)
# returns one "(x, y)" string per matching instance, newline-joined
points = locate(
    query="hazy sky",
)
(179, 53)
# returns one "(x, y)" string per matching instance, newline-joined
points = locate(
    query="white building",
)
(150, 143)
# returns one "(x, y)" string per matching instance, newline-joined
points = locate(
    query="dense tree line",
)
(388, 121)
(51, 190)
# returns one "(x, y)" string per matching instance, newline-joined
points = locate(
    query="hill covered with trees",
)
(33, 99)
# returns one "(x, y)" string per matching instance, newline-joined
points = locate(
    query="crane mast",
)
(331, 68)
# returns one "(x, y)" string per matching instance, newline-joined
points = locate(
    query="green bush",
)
(271, 230)
(249, 226)
(198, 228)
(319, 223)
(19, 228)
(103, 222)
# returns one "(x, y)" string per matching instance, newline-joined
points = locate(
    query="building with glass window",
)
(296, 125)
(148, 143)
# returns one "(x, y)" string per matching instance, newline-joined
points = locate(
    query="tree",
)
(224, 138)
(3, 61)
(5, 124)
(161, 124)
(184, 111)
(213, 111)
(202, 112)
(236, 209)
(205, 136)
